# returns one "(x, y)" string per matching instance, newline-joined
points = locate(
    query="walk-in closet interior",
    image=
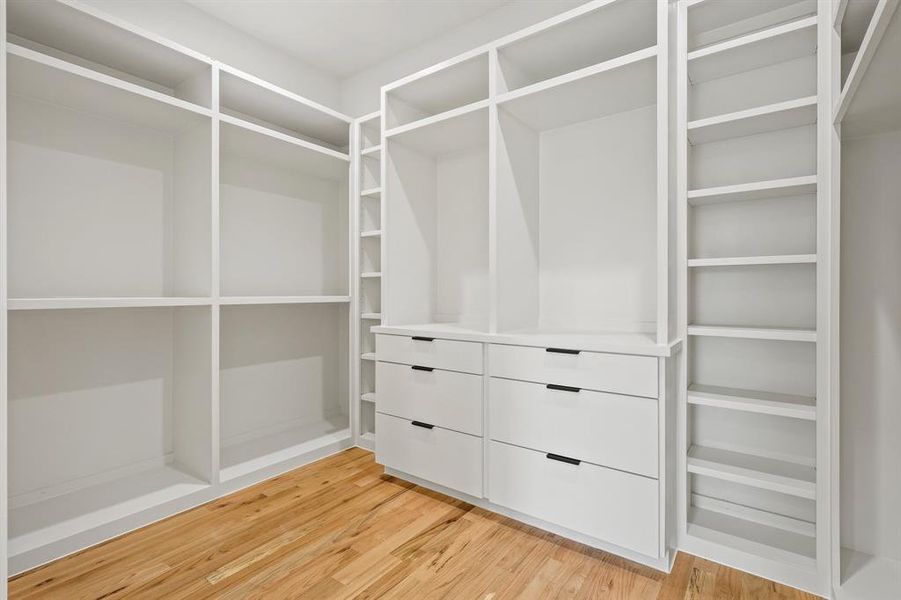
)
(623, 271)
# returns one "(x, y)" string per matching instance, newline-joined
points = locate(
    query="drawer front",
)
(609, 505)
(451, 355)
(445, 398)
(618, 373)
(438, 455)
(606, 429)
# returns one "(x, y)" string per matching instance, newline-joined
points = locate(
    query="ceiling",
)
(342, 37)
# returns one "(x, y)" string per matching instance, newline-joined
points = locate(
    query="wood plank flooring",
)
(339, 528)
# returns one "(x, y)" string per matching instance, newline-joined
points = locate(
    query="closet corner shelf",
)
(371, 275)
(371, 233)
(754, 333)
(769, 403)
(739, 261)
(368, 356)
(111, 302)
(238, 300)
(761, 48)
(371, 316)
(757, 190)
(763, 119)
(283, 137)
(373, 192)
(761, 472)
(368, 397)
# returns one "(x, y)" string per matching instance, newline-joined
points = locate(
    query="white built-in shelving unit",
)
(177, 279)
(368, 141)
(757, 214)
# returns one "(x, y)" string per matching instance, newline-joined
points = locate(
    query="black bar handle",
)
(562, 351)
(564, 459)
(420, 338)
(419, 368)
(563, 388)
(423, 425)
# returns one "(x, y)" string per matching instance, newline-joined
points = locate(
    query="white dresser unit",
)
(527, 354)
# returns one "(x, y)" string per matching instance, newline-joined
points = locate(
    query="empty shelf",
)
(754, 333)
(368, 356)
(371, 233)
(371, 316)
(124, 302)
(736, 261)
(755, 471)
(784, 405)
(373, 151)
(368, 397)
(759, 49)
(753, 537)
(62, 516)
(370, 275)
(374, 192)
(868, 577)
(758, 190)
(611, 87)
(457, 130)
(267, 450)
(284, 299)
(782, 115)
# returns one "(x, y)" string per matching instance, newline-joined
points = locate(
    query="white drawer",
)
(438, 455)
(430, 352)
(606, 429)
(445, 398)
(619, 373)
(609, 505)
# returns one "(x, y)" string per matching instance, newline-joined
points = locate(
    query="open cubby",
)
(109, 415)
(283, 383)
(724, 20)
(127, 210)
(283, 215)
(451, 87)
(437, 180)
(599, 34)
(577, 204)
(371, 133)
(83, 37)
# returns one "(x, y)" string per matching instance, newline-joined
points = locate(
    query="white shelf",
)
(40, 77)
(374, 192)
(736, 261)
(270, 147)
(368, 397)
(238, 300)
(457, 130)
(83, 32)
(370, 275)
(758, 190)
(122, 302)
(768, 403)
(611, 87)
(59, 517)
(368, 356)
(252, 98)
(870, 101)
(868, 577)
(759, 49)
(371, 233)
(753, 537)
(755, 471)
(754, 333)
(266, 451)
(711, 21)
(782, 115)
(371, 316)
(372, 151)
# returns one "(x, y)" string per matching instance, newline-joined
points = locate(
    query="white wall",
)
(871, 345)
(191, 27)
(360, 93)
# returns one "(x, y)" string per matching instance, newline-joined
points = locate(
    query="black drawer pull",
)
(420, 338)
(418, 368)
(421, 424)
(564, 459)
(563, 388)
(562, 351)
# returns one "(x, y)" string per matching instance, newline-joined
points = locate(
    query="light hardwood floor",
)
(339, 528)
